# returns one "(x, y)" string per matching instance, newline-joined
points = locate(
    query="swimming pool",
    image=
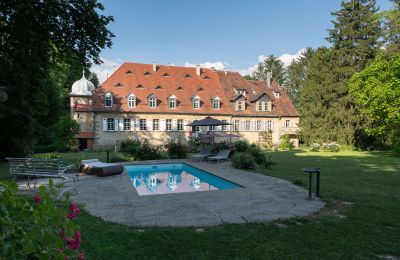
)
(151, 179)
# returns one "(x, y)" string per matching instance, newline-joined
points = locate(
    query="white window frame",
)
(108, 98)
(142, 125)
(168, 125)
(110, 124)
(258, 125)
(277, 94)
(196, 103)
(152, 102)
(211, 128)
(131, 101)
(224, 127)
(287, 123)
(247, 125)
(172, 103)
(216, 104)
(236, 125)
(180, 125)
(127, 124)
(269, 125)
(240, 105)
(156, 124)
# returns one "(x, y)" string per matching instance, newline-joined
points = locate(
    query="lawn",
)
(362, 221)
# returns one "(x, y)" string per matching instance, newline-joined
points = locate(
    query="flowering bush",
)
(177, 149)
(329, 147)
(285, 143)
(37, 228)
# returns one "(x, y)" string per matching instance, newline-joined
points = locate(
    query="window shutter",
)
(121, 124)
(174, 125)
(185, 126)
(252, 125)
(263, 125)
(105, 124)
(137, 124)
(132, 124)
(116, 124)
(149, 124)
(162, 123)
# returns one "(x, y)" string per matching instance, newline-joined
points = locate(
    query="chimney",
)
(198, 70)
(226, 70)
(269, 79)
(114, 68)
(154, 67)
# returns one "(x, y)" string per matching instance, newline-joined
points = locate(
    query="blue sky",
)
(234, 34)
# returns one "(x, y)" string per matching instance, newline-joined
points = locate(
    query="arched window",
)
(196, 102)
(108, 100)
(216, 103)
(131, 101)
(172, 102)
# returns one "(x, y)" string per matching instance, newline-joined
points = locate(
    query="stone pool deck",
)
(261, 199)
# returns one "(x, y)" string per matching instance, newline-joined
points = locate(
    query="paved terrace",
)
(261, 199)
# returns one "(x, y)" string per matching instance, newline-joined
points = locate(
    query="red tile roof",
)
(142, 81)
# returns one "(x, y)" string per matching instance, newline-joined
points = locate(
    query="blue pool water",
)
(174, 178)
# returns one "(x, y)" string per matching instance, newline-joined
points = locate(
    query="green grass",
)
(365, 229)
(370, 226)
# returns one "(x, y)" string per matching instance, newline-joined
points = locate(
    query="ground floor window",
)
(197, 129)
(211, 128)
(247, 125)
(156, 124)
(236, 124)
(258, 125)
(180, 125)
(287, 123)
(269, 125)
(110, 124)
(223, 128)
(169, 125)
(127, 124)
(142, 125)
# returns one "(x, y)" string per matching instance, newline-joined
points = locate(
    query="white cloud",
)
(106, 68)
(218, 65)
(286, 58)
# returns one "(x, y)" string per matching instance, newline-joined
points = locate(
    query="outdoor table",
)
(317, 172)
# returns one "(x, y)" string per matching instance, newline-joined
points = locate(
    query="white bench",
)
(40, 168)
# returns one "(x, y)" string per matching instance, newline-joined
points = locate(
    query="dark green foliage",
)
(285, 143)
(257, 153)
(140, 150)
(118, 158)
(36, 37)
(241, 146)
(177, 149)
(63, 134)
(296, 75)
(271, 64)
(215, 147)
(391, 20)
(243, 160)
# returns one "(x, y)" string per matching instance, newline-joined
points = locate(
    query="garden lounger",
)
(41, 168)
(94, 166)
(222, 155)
(203, 154)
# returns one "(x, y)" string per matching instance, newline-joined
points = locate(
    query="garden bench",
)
(40, 168)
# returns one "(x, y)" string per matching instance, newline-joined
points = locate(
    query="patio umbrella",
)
(208, 121)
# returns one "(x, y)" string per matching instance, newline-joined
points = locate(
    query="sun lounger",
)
(203, 154)
(95, 167)
(222, 155)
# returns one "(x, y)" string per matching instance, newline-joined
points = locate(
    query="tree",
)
(271, 64)
(391, 20)
(377, 92)
(36, 36)
(63, 133)
(296, 75)
(328, 111)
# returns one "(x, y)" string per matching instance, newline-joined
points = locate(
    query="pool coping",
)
(261, 198)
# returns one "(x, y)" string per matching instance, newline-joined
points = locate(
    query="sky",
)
(233, 34)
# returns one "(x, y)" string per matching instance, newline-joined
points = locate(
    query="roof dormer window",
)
(263, 105)
(147, 73)
(129, 72)
(131, 101)
(241, 92)
(166, 75)
(179, 88)
(216, 102)
(196, 102)
(200, 89)
(206, 77)
(158, 87)
(172, 102)
(108, 100)
(140, 86)
(152, 101)
(277, 94)
(119, 85)
(187, 76)
(240, 105)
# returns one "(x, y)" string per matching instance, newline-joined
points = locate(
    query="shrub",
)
(331, 147)
(267, 162)
(243, 160)
(130, 147)
(215, 147)
(315, 147)
(285, 143)
(193, 143)
(48, 156)
(258, 155)
(176, 149)
(396, 148)
(118, 158)
(241, 146)
(37, 228)
(63, 134)
(266, 139)
(140, 150)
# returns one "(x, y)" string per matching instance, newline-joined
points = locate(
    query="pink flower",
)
(60, 250)
(78, 236)
(74, 211)
(80, 256)
(62, 234)
(67, 257)
(72, 206)
(37, 199)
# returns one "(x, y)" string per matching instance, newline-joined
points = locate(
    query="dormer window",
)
(139, 86)
(118, 85)
(172, 102)
(263, 105)
(206, 77)
(131, 101)
(152, 101)
(158, 87)
(187, 76)
(216, 103)
(196, 102)
(129, 72)
(241, 92)
(200, 89)
(166, 75)
(277, 94)
(147, 73)
(179, 88)
(108, 100)
(240, 105)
